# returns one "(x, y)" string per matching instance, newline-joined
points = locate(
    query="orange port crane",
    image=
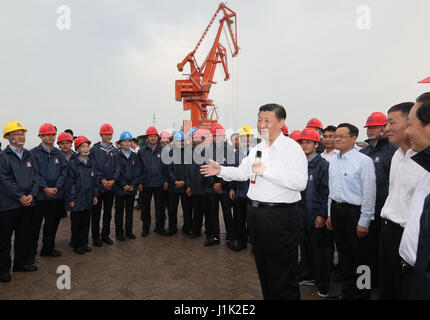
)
(194, 91)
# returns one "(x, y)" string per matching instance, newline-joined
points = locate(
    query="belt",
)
(406, 267)
(391, 223)
(344, 205)
(257, 204)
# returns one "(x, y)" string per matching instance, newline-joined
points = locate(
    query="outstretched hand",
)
(211, 169)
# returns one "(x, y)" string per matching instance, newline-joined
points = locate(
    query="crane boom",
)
(194, 91)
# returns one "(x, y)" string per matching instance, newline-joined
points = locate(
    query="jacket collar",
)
(8, 150)
(381, 142)
(423, 158)
(314, 160)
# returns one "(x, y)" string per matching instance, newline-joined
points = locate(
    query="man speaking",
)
(278, 170)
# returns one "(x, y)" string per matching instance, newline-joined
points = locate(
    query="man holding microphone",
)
(277, 177)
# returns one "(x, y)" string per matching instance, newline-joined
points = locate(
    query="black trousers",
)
(275, 234)
(407, 279)
(173, 211)
(203, 206)
(314, 245)
(391, 274)
(51, 212)
(18, 221)
(80, 223)
(351, 249)
(226, 206)
(124, 203)
(160, 214)
(239, 220)
(106, 201)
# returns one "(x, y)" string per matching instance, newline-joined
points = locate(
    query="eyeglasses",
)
(341, 136)
(18, 134)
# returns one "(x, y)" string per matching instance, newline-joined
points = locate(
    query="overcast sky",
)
(117, 64)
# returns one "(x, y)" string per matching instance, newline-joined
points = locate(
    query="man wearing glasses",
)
(351, 203)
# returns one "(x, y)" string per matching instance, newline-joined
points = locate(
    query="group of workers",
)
(366, 203)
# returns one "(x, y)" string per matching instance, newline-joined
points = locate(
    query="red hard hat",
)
(285, 130)
(217, 130)
(151, 130)
(64, 136)
(295, 135)
(199, 133)
(80, 140)
(315, 123)
(47, 128)
(165, 134)
(309, 134)
(376, 119)
(106, 129)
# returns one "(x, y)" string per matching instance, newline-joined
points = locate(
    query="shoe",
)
(323, 292)
(171, 233)
(79, 250)
(107, 240)
(230, 244)
(87, 249)
(130, 236)
(194, 235)
(161, 232)
(98, 242)
(240, 247)
(31, 260)
(144, 233)
(217, 240)
(308, 282)
(50, 253)
(187, 233)
(339, 297)
(120, 238)
(24, 268)
(5, 278)
(209, 242)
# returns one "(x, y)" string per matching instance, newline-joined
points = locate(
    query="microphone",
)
(257, 159)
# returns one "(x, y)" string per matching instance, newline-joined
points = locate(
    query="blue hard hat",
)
(125, 136)
(179, 136)
(191, 131)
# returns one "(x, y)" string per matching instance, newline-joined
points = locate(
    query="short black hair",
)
(353, 130)
(279, 110)
(330, 128)
(135, 140)
(423, 113)
(425, 97)
(404, 108)
(69, 131)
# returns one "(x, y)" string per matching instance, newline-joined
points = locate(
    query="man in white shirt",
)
(415, 244)
(404, 176)
(330, 152)
(273, 214)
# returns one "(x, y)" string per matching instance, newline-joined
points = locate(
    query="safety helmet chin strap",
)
(14, 141)
(46, 141)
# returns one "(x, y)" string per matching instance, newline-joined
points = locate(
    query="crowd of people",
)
(312, 191)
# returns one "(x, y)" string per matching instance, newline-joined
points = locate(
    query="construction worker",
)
(314, 241)
(52, 167)
(238, 194)
(223, 153)
(105, 158)
(82, 191)
(65, 142)
(153, 182)
(381, 151)
(234, 138)
(135, 145)
(177, 171)
(126, 187)
(295, 135)
(330, 152)
(285, 130)
(19, 186)
(165, 138)
(199, 188)
(315, 123)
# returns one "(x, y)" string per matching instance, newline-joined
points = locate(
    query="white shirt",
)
(409, 244)
(136, 150)
(285, 176)
(330, 155)
(405, 174)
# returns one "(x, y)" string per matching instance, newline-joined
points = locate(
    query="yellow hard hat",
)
(12, 126)
(245, 130)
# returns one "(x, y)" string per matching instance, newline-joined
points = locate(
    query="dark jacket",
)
(199, 184)
(153, 171)
(18, 177)
(421, 278)
(315, 196)
(106, 163)
(381, 156)
(129, 174)
(225, 155)
(81, 184)
(74, 155)
(52, 171)
(177, 170)
(240, 187)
